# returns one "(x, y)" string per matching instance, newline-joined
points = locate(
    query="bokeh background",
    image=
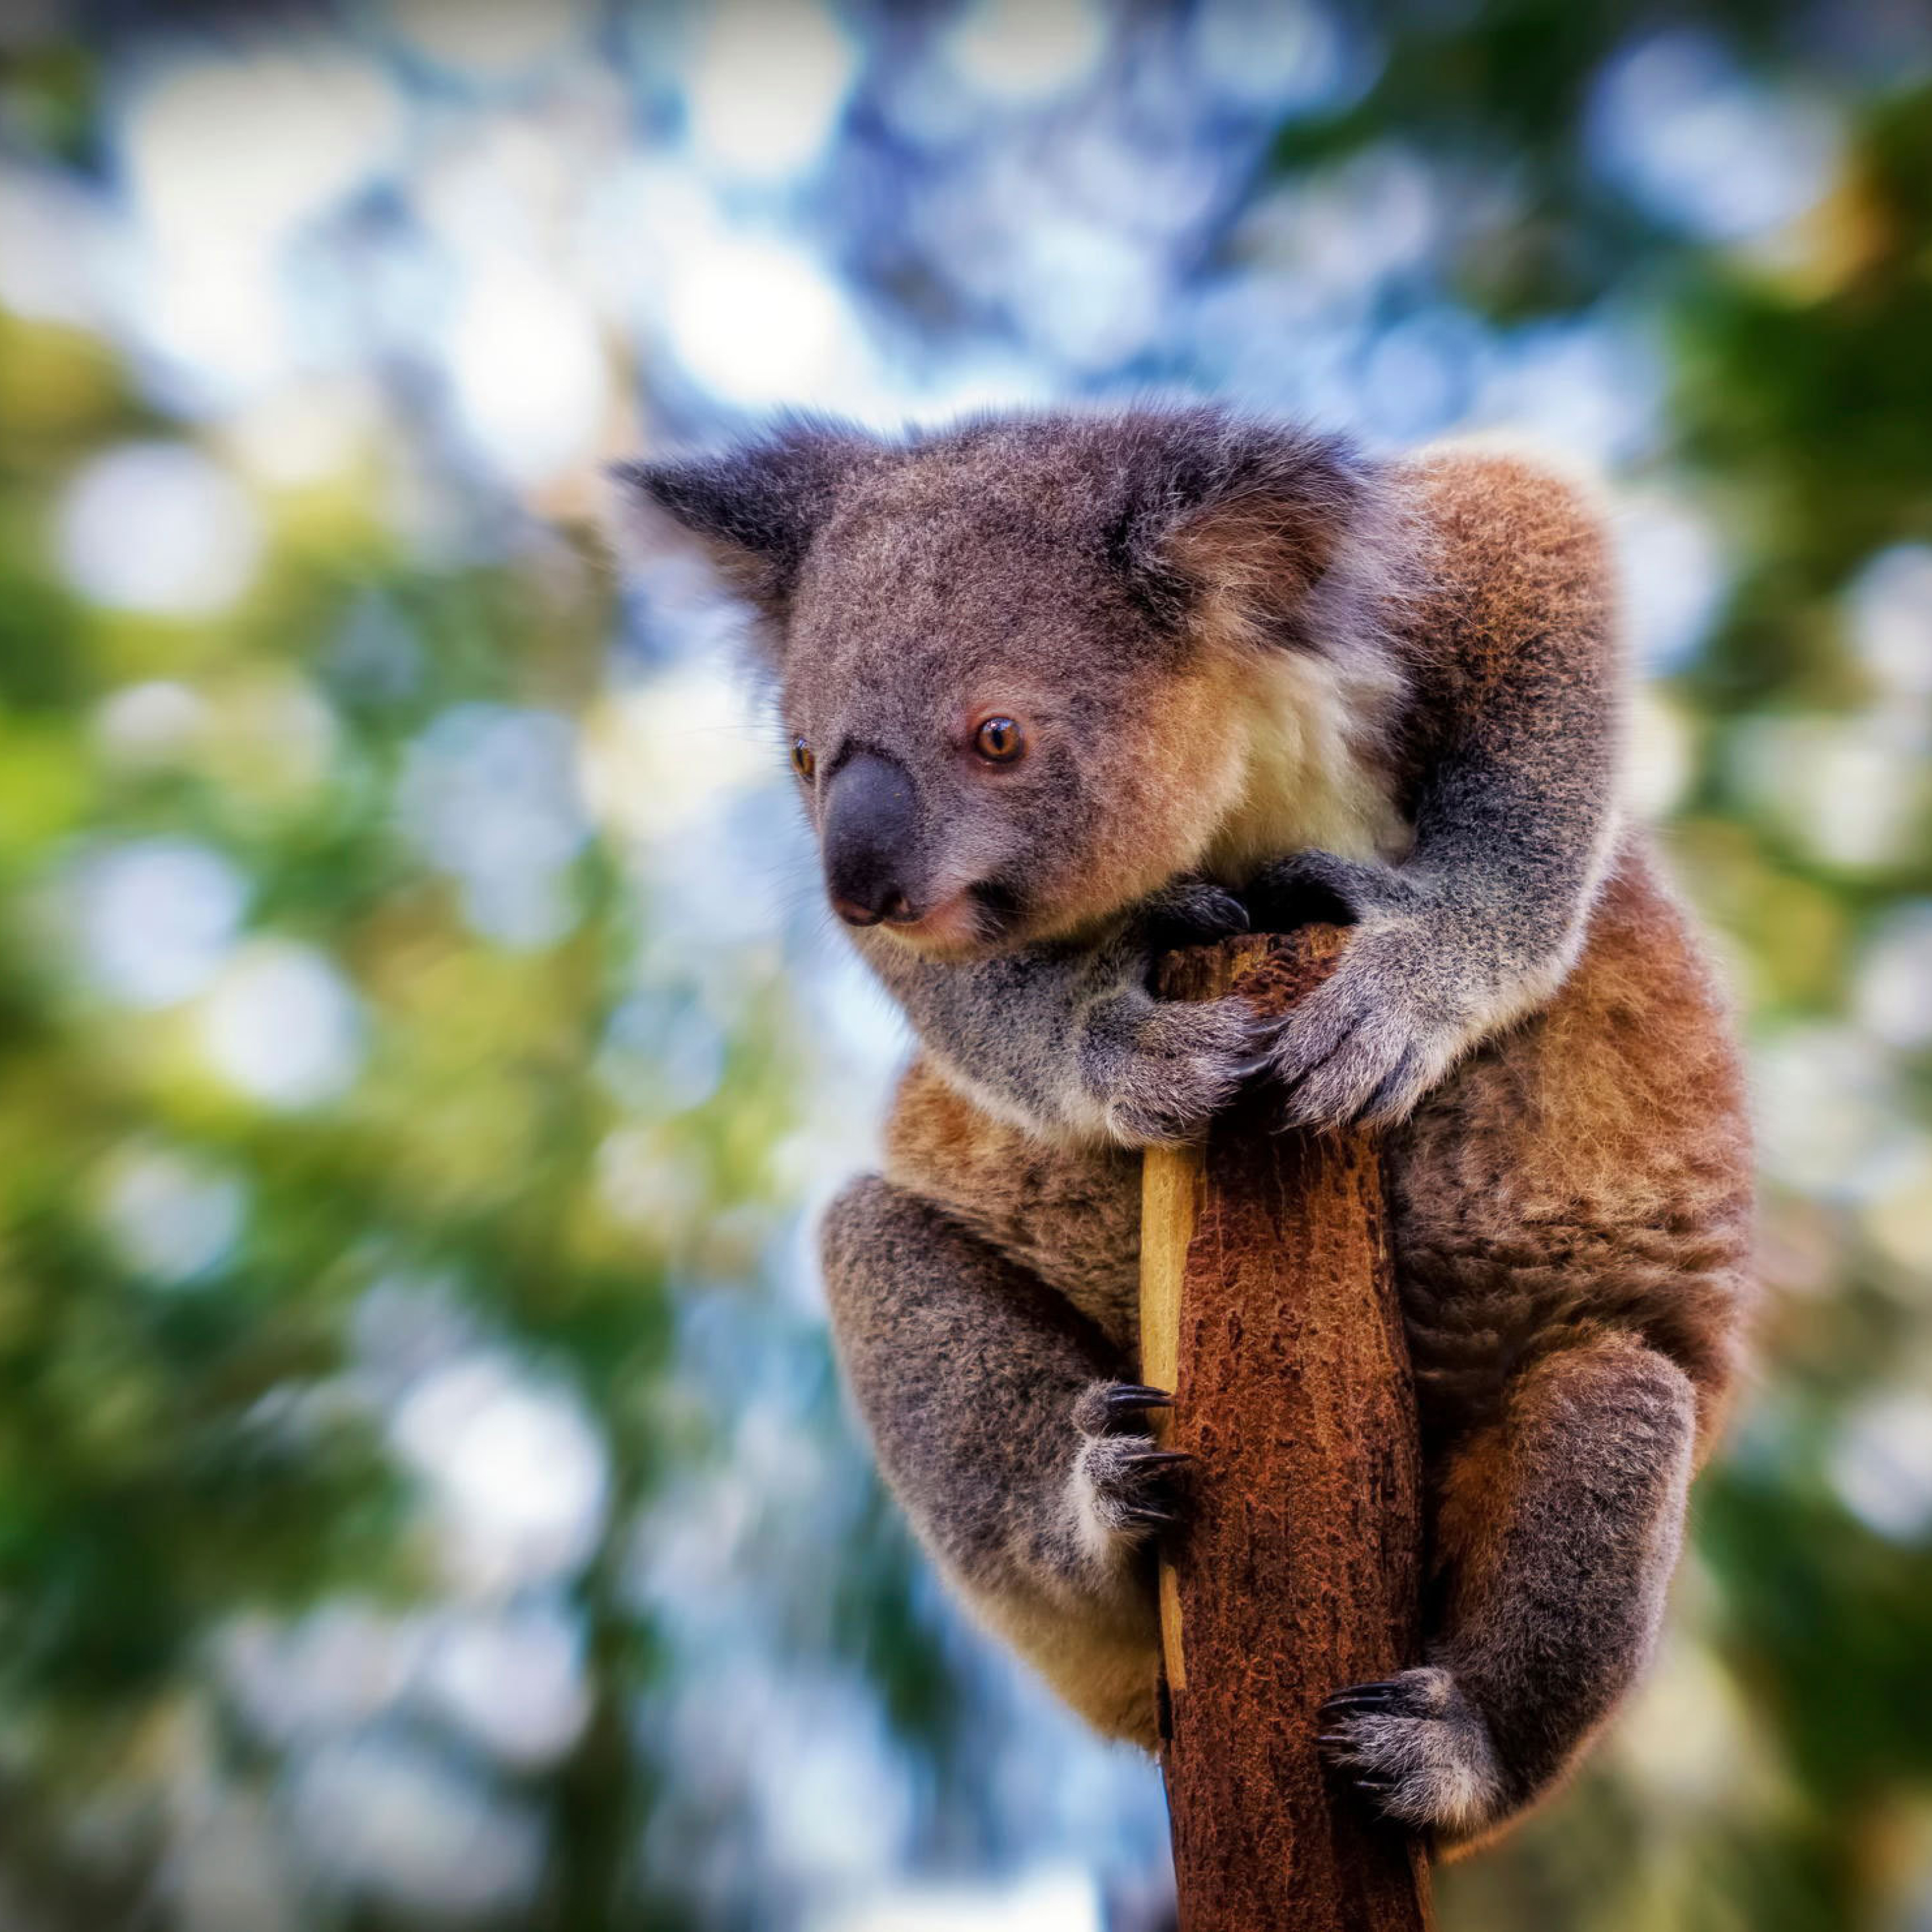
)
(424, 1498)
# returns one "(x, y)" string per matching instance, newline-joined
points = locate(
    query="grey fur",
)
(986, 1396)
(1260, 675)
(1068, 1041)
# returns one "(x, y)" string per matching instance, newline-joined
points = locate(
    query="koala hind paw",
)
(1124, 1488)
(1419, 1750)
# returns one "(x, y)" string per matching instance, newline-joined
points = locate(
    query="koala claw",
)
(1149, 1467)
(1417, 1746)
(1130, 1490)
(1125, 1488)
(1195, 912)
(1102, 1406)
(1130, 1398)
(1386, 1696)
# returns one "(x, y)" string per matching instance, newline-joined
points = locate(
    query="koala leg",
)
(1557, 1531)
(1003, 1425)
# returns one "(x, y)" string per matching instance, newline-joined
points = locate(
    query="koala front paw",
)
(1421, 982)
(1419, 1750)
(1159, 1071)
(1383, 1029)
(1364, 1045)
(1123, 1488)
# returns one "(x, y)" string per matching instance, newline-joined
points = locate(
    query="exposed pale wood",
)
(1171, 1179)
(1267, 1306)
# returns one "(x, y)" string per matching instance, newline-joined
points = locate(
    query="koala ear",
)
(1243, 523)
(753, 508)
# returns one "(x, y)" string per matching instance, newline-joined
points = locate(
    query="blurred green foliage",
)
(176, 1454)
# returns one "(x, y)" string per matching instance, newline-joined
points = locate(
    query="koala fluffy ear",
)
(1246, 524)
(753, 508)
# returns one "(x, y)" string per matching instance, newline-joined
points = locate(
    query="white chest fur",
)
(1311, 780)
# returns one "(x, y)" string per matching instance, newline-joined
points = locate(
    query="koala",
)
(1063, 690)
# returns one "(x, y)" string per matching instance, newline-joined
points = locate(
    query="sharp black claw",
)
(1143, 1518)
(1224, 913)
(1214, 911)
(1195, 915)
(1130, 1396)
(1362, 1697)
(1156, 1458)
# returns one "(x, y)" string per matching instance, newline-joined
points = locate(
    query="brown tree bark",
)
(1268, 1307)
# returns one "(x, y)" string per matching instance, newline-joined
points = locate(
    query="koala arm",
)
(1067, 1041)
(1514, 722)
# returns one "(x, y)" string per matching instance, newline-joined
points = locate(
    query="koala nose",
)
(871, 825)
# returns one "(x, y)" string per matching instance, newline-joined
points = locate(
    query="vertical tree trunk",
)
(1268, 1307)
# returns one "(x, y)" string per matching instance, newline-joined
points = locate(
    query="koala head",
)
(1010, 657)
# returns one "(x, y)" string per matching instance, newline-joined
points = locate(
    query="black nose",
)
(872, 829)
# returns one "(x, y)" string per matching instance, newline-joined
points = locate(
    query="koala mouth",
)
(975, 920)
(999, 907)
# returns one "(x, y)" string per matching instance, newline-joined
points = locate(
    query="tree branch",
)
(1269, 1307)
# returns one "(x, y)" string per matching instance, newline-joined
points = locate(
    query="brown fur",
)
(1576, 1193)
(1072, 1215)
(1242, 655)
(1589, 1168)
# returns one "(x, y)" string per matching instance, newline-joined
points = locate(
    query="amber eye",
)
(999, 740)
(803, 762)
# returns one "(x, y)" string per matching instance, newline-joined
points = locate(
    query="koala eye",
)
(803, 762)
(999, 740)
